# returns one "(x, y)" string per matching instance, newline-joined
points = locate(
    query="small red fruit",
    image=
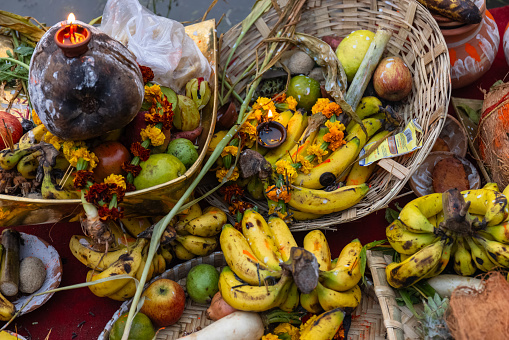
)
(164, 303)
(13, 124)
(392, 79)
(111, 156)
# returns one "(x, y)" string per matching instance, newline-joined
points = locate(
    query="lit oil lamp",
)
(271, 134)
(72, 38)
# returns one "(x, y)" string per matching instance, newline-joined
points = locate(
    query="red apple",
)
(392, 79)
(111, 156)
(13, 124)
(164, 303)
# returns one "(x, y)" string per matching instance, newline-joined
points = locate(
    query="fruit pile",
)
(467, 227)
(316, 170)
(194, 235)
(256, 279)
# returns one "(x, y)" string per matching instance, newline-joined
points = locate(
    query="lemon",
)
(352, 50)
(141, 328)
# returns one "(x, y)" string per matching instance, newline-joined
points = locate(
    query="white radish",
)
(446, 283)
(236, 326)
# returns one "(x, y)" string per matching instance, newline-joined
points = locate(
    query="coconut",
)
(494, 133)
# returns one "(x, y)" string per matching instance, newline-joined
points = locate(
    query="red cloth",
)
(66, 310)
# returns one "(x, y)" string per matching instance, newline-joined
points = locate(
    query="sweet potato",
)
(219, 308)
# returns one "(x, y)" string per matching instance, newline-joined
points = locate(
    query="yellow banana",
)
(165, 252)
(126, 264)
(406, 242)
(491, 204)
(491, 186)
(7, 309)
(499, 232)
(324, 327)
(331, 299)
(201, 246)
(291, 302)
(403, 257)
(506, 191)
(360, 174)
(444, 259)
(241, 259)
(310, 302)
(327, 202)
(300, 149)
(51, 189)
(296, 126)
(303, 216)
(282, 235)
(193, 212)
(208, 224)
(497, 252)
(260, 239)
(182, 253)
(479, 255)
(414, 215)
(316, 243)
(139, 272)
(27, 166)
(124, 293)
(32, 137)
(325, 173)
(79, 246)
(250, 298)
(346, 273)
(463, 262)
(415, 268)
(120, 238)
(135, 225)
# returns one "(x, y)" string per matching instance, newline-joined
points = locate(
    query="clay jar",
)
(472, 48)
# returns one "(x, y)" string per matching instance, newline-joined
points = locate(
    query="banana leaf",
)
(22, 25)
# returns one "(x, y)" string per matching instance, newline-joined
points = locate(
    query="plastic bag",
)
(157, 42)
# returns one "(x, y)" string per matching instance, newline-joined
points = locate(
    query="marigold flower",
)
(335, 135)
(114, 213)
(278, 99)
(153, 133)
(270, 336)
(232, 191)
(53, 140)
(116, 179)
(239, 206)
(332, 109)
(275, 194)
(146, 73)
(131, 168)
(229, 150)
(152, 91)
(320, 105)
(292, 103)
(84, 154)
(81, 178)
(285, 168)
(317, 151)
(98, 192)
(139, 151)
(289, 329)
(222, 172)
(247, 133)
(305, 165)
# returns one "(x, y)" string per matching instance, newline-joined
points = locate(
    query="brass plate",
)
(155, 201)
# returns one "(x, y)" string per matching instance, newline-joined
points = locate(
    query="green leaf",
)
(474, 115)
(375, 243)
(24, 51)
(363, 260)
(391, 215)
(408, 302)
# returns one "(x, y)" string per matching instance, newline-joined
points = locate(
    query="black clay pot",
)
(87, 95)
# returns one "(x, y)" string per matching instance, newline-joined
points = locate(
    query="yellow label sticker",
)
(402, 143)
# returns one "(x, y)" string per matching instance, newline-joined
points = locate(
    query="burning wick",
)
(270, 133)
(72, 36)
(269, 115)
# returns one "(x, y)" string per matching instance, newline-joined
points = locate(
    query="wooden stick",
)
(8, 139)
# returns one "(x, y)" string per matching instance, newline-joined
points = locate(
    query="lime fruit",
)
(157, 169)
(352, 50)
(305, 90)
(184, 150)
(202, 283)
(141, 328)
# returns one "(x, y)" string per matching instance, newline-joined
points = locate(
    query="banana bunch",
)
(427, 241)
(254, 279)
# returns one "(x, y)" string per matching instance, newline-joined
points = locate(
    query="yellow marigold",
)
(256, 115)
(306, 165)
(35, 118)
(292, 103)
(155, 135)
(222, 172)
(289, 329)
(116, 179)
(68, 147)
(335, 135)
(275, 194)
(249, 133)
(229, 150)
(332, 109)
(270, 336)
(53, 140)
(152, 92)
(286, 169)
(264, 105)
(88, 156)
(320, 105)
(317, 151)
(308, 323)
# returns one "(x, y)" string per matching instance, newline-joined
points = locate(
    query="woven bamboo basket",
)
(416, 38)
(367, 318)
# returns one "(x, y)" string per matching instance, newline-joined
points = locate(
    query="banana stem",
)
(279, 316)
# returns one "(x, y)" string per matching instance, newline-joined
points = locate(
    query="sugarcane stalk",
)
(367, 67)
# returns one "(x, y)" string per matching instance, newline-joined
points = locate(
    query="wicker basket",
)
(367, 319)
(416, 38)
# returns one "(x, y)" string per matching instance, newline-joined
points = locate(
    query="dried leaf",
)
(21, 24)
